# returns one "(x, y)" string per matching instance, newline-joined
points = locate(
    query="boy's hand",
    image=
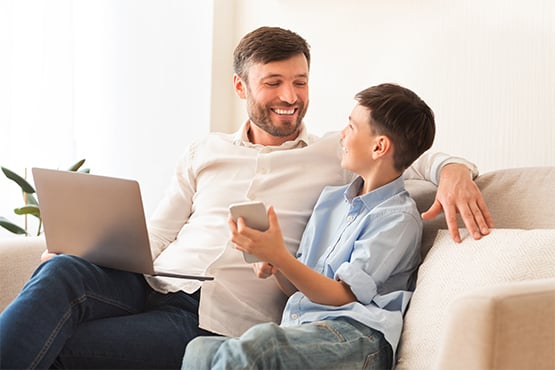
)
(266, 245)
(264, 270)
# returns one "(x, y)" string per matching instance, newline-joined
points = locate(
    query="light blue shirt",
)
(372, 243)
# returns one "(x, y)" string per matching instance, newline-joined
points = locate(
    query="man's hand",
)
(458, 193)
(46, 255)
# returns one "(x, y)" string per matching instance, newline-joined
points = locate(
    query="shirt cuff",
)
(362, 285)
(441, 160)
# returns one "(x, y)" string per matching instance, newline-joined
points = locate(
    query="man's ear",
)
(382, 146)
(239, 86)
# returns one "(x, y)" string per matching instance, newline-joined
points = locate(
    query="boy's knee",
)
(262, 333)
(200, 352)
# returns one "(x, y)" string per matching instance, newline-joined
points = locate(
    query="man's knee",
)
(63, 271)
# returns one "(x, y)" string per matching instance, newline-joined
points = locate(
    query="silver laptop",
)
(98, 218)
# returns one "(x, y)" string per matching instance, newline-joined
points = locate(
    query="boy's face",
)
(357, 141)
(276, 94)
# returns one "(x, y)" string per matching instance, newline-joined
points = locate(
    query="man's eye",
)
(272, 84)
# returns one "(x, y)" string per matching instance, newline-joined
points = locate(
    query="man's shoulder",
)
(327, 136)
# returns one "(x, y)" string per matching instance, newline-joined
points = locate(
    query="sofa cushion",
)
(451, 269)
(19, 257)
(515, 197)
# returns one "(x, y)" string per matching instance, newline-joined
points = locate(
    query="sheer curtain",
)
(124, 84)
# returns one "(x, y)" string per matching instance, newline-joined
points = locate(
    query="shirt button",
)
(294, 316)
(350, 218)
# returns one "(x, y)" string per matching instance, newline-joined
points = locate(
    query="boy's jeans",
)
(75, 314)
(329, 344)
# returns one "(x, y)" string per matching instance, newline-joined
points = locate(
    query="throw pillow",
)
(450, 269)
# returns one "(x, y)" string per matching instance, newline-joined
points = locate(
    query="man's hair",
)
(403, 117)
(265, 45)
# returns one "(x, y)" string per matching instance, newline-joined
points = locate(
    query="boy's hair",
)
(403, 117)
(265, 45)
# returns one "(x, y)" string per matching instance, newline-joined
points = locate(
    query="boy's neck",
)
(378, 177)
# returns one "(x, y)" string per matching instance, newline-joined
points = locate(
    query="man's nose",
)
(288, 94)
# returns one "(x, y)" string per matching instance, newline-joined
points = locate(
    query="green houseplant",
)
(30, 203)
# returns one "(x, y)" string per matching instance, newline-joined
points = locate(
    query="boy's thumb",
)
(272, 216)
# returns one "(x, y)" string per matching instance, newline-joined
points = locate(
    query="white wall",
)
(485, 67)
(128, 83)
(125, 84)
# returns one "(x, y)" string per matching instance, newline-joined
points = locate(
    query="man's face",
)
(277, 95)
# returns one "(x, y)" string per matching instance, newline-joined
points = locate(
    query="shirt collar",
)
(241, 138)
(376, 196)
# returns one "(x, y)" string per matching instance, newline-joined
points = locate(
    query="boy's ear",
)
(382, 146)
(239, 86)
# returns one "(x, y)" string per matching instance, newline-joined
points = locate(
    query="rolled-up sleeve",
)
(429, 165)
(382, 256)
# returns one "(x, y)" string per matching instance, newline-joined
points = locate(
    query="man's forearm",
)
(429, 165)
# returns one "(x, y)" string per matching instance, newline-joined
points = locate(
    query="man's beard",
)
(260, 116)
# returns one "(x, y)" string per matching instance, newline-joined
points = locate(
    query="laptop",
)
(98, 218)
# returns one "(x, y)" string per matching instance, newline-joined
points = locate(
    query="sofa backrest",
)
(518, 198)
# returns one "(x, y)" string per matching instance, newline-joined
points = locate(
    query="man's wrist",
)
(459, 163)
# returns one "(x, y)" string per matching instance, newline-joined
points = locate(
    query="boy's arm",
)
(264, 270)
(384, 257)
(317, 287)
(284, 284)
(269, 246)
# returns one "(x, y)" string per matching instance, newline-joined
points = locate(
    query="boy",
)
(350, 282)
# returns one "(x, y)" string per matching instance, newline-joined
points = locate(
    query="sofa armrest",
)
(510, 326)
(19, 257)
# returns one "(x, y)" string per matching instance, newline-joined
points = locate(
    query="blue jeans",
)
(330, 344)
(74, 314)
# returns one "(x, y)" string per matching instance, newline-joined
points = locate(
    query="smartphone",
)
(255, 215)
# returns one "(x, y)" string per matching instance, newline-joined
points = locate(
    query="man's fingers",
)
(434, 210)
(452, 224)
(488, 219)
(482, 220)
(470, 215)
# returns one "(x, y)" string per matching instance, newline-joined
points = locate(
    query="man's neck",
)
(261, 137)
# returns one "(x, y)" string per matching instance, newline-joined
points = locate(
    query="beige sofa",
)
(487, 304)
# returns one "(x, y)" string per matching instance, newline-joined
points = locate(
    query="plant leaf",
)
(77, 165)
(23, 184)
(31, 199)
(30, 209)
(11, 227)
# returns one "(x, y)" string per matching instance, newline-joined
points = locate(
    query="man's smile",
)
(284, 112)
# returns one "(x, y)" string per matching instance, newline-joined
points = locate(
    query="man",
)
(79, 315)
